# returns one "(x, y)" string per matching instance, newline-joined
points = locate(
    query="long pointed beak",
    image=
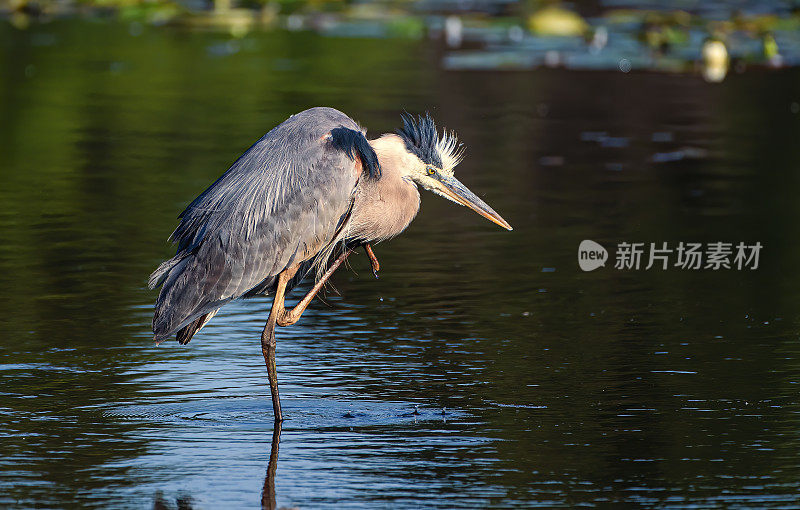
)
(457, 192)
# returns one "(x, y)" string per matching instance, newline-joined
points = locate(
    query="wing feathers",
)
(280, 203)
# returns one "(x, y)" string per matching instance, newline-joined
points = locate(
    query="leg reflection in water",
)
(184, 502)
(268, 492)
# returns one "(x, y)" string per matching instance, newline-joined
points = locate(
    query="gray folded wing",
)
(279, 204)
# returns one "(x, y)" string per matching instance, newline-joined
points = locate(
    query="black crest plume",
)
(353, 143)
(421, 138)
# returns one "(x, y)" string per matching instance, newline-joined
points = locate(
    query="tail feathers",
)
(187, 332)
(163, 271)
(179, 308)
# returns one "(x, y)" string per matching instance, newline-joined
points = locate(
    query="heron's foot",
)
(376, 266)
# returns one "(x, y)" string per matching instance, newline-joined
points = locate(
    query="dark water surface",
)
(666, 388)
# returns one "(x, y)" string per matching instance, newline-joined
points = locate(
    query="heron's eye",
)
(431, 171)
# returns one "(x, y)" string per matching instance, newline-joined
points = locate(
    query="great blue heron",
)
(300, 201)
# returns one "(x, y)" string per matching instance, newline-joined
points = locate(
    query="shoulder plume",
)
(353, 143)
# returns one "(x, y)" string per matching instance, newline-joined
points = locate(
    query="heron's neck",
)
(392, 155)
(384, 207)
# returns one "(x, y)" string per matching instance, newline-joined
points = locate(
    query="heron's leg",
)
(278, 315)
(376, 266)
(289, 317)
(268, 339)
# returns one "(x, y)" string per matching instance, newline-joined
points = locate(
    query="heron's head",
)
(430, 159)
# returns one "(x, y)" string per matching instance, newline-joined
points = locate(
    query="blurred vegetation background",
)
(708, 37)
